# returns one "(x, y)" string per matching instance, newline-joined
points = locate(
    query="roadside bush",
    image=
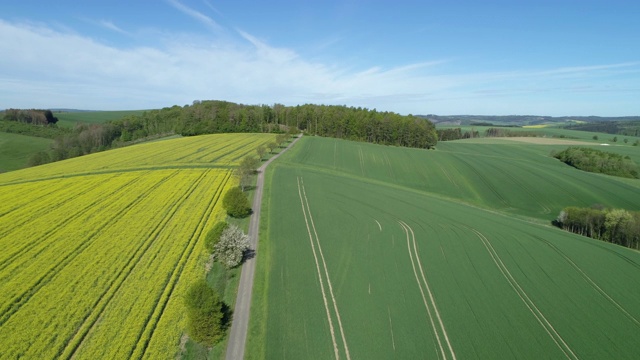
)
(236, 203)
(39, 158)
(213, 236)
(204, 314)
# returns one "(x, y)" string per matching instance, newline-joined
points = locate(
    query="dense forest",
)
(359, 124)
(617, 226)
(208, 117)
(597, 161)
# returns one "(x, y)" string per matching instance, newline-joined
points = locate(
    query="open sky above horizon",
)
(541, 57)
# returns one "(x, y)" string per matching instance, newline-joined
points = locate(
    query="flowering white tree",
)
(231, 247)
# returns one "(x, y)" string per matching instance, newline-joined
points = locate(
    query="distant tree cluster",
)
(83, 139)
(501, 132)
(617, 226)
(592, 160)
(449, 134)
(32, 116)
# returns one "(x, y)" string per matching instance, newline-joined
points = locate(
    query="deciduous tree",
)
(261, 150)
(204, 314)
(272, 146)
(231, 247)
(248, 166)
(213, 236)
(615, 221)
(236, 203)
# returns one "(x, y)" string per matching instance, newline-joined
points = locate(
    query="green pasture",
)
(602, 138)
(503, 287)
(15, 150)
(516, 178)
(70, 119)
(556, 132)
(506, 144)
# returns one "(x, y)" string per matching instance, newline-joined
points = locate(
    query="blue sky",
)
(421, 57)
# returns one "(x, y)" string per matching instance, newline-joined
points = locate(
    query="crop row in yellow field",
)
(95, 266)
(217, 150)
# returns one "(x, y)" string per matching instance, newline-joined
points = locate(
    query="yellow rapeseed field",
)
(97, 251)
(538, 126)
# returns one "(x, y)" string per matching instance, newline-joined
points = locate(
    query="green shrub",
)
(204, 314)
(213, 236)
(236, 203)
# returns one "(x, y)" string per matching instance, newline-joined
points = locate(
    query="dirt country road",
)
(240, 323)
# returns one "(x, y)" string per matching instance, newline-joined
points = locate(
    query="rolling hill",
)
(382, 252)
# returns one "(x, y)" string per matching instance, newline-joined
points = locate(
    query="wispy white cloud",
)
(202, 18)
(79, 71)
(326, 43)
(587, 69)
(208, 4)
(111, 26)
(269, 53)
(583, 71)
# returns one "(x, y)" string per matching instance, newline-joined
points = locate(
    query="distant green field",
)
(557, 144)
(15, 150)
(553, 131)
(69, 119)
(513, 177)
(373, 252)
